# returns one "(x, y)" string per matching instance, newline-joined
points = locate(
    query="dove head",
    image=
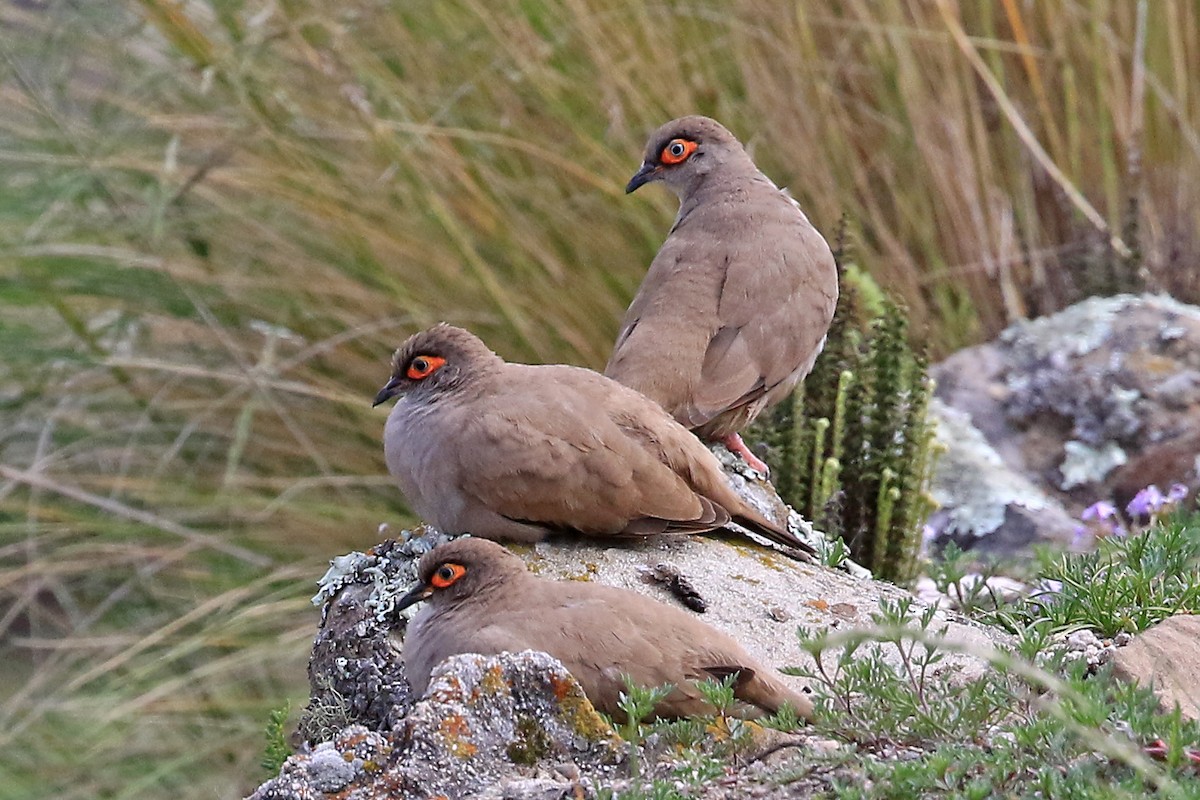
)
(685, 152)
(460, 569)
(437, 360)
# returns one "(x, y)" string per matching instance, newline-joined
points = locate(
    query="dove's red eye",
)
(447, 574)
(422, 367)
(677, 151)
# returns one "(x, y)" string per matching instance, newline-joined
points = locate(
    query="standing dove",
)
(517, 451)
(481, 599)
(736, 305)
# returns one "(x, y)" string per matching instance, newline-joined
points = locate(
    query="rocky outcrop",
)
(754, 594)
(521, 720)
(1097, 401)
(983, 502)
(354, 675)
(485, 722)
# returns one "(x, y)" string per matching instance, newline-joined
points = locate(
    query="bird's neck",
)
(720, 186)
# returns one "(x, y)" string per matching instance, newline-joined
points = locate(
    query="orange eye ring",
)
(446, 575)
(422, 367)
(677, 151)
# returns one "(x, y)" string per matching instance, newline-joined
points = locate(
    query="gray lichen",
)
(971, 481)
(354, 674)
(1084, 465)
(1075, 331)
(391, 571)
(753, 487)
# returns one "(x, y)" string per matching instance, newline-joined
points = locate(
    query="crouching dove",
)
(518, 451)
(481, 599)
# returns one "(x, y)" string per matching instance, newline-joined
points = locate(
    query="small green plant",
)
(957, 574)
(277, 749)
(638, 703)
(834, 554)
(698, 769)
(785, 719)
(909, 696)
(853, 450)
(1128, 583)
(731, 731)
(1017, 730)
(719, 694)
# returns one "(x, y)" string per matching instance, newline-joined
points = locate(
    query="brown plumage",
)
(481, 599)
(516, 451)
(736, 305)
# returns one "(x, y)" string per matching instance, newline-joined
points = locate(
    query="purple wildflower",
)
(1178, 492)
(1103, 515)
(1100, 511)
(1147, 502)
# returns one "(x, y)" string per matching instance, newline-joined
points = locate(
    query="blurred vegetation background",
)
(219, 216)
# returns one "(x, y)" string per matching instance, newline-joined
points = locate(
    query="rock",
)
(1082, 639)
(1167, 659)
(528, 789)
(984, 502)
(755, 594)
(752, 593)
(354, 674)
(332, 766)
(1099, 400)
(518, 725)
(974, 590)
(759, 493)
(482, 722)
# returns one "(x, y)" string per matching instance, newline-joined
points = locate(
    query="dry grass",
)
(218, 217)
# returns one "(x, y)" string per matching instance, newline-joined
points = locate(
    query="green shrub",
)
(852, 450)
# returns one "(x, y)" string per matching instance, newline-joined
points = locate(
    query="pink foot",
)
(736, 445)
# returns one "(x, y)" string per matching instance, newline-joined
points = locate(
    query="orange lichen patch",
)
(561, 687)
(454, 729)
(578, 712)
(721, 729)
(590, 571)
(818, 604)
(452, 691)
(766, 558)
(493, 682)
(1156, 364)
(356, 740)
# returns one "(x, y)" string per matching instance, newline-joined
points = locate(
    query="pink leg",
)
(736, 445)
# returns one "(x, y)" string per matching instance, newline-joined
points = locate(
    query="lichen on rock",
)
(1096, 401)
(484, 720)
(354, 675)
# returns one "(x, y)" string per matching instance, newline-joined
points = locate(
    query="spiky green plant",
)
(853, 449)
(277, 748)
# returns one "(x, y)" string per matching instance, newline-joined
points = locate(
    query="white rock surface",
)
(756, 595)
